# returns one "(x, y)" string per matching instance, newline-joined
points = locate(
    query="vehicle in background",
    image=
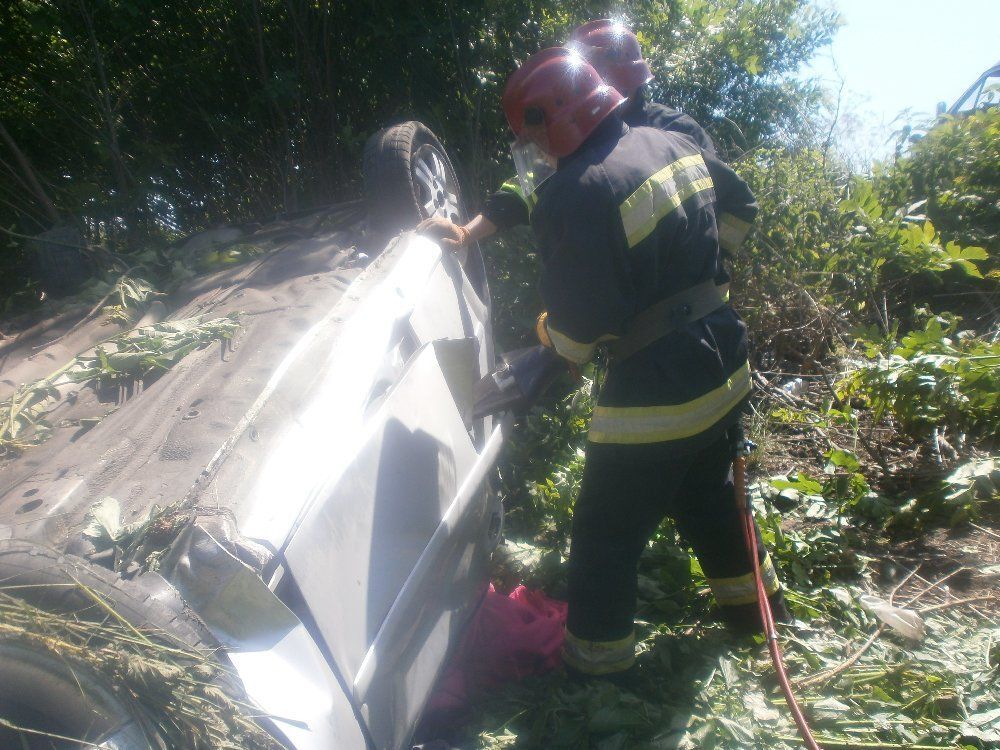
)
(984, 93)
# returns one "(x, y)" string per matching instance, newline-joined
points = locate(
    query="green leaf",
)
(970, 268)
(801, 483)
(975, 253)
(103, 522)
(842, 459)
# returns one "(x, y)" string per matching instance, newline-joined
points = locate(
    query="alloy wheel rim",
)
(438, 195)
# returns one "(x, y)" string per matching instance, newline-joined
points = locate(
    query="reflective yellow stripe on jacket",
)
(662, 194)
(577, 352)
(732, 232)
(513, 186)
(653, 424)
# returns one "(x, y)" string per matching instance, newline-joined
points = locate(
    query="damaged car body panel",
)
(424, 476)
(335, 437)
(279, 664)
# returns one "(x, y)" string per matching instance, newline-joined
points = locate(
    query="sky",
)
(893, 55)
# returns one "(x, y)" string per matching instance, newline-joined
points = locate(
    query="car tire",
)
(47, 580)
(408, 177)
(46, 691)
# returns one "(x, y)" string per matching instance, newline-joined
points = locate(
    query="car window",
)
(990, 93)
(968, 102)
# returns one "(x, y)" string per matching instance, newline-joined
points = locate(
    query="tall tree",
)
(140, 117)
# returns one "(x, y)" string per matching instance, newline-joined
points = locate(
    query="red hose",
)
(766, 616)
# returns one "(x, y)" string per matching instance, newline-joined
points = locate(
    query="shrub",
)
(956, 167)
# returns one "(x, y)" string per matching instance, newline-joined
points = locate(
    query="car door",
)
(391, 556)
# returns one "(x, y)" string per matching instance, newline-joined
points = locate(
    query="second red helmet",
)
(557, 88)
(615, 53)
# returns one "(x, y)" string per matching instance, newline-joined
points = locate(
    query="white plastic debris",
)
(905, 622)
(795, 387)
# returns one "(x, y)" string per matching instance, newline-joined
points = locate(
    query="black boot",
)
(744, 619)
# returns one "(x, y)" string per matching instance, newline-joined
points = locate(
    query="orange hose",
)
(766, 616)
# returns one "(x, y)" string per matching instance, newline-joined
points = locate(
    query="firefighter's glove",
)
(543, 337)
(445, 232)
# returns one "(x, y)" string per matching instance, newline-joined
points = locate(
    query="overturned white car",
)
(313, 490)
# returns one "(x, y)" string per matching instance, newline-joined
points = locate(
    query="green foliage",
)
(912, 246)
(149, 118)
(144, 351)
(954, 500)
(844, 488)
(697, 687)
(956, 167)
(180, 696)
(779, 273)
(133, 296)
(747, 95)
(813, 552)
(513, 268)
(937, 377)
(826, 251)
(889, 261)
(844, 491)
(543, 466)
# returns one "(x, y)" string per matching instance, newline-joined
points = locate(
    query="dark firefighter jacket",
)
(629, 219)
(509, 207)
(644, 113)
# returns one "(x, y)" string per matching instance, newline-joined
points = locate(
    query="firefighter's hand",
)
(542, 331)
(446, 233)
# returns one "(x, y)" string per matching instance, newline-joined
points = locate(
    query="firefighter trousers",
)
(620, 506)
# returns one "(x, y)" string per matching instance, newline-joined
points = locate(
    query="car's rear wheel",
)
(409, 177)
(48, 692)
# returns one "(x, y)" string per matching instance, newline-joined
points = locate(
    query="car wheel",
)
(408, 177)
(48, 693)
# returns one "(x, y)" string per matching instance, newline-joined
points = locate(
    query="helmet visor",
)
(534, 165)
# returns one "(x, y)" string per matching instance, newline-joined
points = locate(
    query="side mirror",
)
(940, 109)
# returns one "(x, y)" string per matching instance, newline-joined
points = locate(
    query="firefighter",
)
(626, 226)
(614, 52)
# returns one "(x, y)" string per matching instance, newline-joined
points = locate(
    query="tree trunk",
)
(29, 175)
(108, 111)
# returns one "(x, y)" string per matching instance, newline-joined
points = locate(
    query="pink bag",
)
(509, 638)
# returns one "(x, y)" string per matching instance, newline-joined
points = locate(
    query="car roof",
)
(992, 70)
(114, 448)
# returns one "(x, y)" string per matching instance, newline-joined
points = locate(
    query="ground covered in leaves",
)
(862, 682)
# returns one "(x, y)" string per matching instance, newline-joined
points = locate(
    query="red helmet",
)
(614, 52)
(559, 88)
